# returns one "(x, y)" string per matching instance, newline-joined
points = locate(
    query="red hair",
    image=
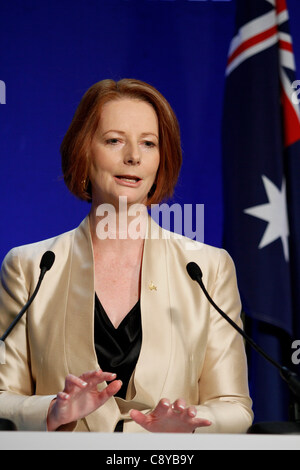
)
(76, 143)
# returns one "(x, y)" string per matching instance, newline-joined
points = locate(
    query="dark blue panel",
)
(51, 52)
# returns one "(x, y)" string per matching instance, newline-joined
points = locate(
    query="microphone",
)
(47, 261)
(290, 377)
(46, 264)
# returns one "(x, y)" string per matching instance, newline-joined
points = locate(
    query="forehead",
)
(126, 112)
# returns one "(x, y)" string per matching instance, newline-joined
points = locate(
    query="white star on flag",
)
(274, 212)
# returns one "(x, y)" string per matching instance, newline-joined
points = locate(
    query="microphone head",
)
(47, 260)
(194, 271)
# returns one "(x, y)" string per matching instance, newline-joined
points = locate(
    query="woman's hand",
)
(80, 397)
(167, 417)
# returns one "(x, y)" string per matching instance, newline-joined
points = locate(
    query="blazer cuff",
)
(225, 416)
(28, 413)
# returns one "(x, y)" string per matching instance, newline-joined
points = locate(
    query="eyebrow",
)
(123, 133)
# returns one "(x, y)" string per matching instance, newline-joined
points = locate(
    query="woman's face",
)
(124, 152)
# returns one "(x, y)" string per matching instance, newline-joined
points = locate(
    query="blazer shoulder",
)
(31, 254)
(183, 250)
(191, 246)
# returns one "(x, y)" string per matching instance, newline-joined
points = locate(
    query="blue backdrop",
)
(52, 51)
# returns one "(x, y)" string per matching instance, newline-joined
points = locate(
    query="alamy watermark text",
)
(2, 92)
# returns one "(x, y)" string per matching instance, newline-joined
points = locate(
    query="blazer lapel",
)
(146, 385)
(80, 350)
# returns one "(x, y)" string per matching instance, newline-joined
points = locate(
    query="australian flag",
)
(261, 164)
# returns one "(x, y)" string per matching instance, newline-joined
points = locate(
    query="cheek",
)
(155, 164)
(100, 162)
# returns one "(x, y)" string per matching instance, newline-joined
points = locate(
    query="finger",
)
(201, 423)
(192, 411)
(189, 414)
(138, 417)
(72, 383)
(97, 377)
(90, 374)
(178, 406)
(62, 400)
(106, 376)
(109, 391)
(63, 396)
(162, 408)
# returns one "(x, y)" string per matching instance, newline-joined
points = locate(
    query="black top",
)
(118, 349)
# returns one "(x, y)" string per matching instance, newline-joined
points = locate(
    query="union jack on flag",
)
(261, 164)
(259, 34)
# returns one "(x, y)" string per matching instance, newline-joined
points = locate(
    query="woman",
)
(168, 362)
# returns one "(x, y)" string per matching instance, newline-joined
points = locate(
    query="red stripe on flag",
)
(252, 42)
(291, 121)
(287, 46)
(280, 6)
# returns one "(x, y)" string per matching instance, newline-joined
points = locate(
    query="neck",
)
(118, 227)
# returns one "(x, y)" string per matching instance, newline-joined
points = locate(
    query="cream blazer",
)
(188, 350)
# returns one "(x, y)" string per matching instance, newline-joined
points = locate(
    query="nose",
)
(132, 155)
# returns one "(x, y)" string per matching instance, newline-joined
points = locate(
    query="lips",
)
(128, 178)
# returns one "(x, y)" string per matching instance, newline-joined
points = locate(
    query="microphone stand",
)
(24, 309)
(5, 424)
(291, 378)
(45, 265)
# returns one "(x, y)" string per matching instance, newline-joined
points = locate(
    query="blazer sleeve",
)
(223, 384)
(17, 400)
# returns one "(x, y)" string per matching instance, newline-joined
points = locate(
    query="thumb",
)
(138, 417)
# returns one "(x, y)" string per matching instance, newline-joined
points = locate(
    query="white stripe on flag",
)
(251, 29)
(289, 90)
(282, 17)
(287, 59)
(285, 37)
(251, 51)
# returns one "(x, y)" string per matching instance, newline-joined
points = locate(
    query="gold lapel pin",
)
(152, 286)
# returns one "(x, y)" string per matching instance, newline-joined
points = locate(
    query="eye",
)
(149, 143)
(112, 141)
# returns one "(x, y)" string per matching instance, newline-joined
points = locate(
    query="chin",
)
(132, 198)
